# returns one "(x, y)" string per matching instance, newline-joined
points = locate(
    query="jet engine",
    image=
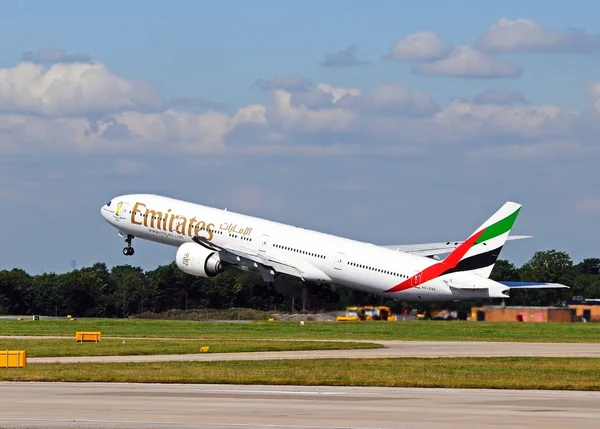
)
(198, 261)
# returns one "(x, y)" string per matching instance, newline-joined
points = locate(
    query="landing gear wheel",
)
(268, 292)
(275, 297)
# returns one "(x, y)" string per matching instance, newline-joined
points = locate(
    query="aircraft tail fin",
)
(479, 253)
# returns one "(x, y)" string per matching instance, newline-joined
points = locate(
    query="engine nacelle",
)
(198, 261)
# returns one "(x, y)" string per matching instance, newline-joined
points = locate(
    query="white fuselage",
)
(342, 261)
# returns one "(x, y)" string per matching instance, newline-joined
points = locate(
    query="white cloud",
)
(323, 95)
(197, 102)
(338, 92)
(420, 46)
(530, 121)
(194, 133)
(399, 96)
(392, 120)
(301, 119)
(343, 58)
(30, 133)
(593, 92)
(320, 119)
(559, 149)
(127, 132)
(465, 61)
(72, 89)
(392, 98)
(288, 82)
(252, 114)
(500, 97)
(526, 35)
(317, 97)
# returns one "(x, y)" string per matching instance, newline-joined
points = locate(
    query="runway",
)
(100, 405)
(392, 349)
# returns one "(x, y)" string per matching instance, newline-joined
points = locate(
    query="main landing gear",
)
(321, 291)
(267, 291)
(128, 251)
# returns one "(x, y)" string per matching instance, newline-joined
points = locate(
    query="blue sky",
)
(389, 122)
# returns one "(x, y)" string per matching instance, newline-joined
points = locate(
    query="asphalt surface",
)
(116, 405)
(100, 405)
(392, 349)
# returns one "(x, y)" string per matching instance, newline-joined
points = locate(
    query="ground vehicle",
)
(384, 313)
(352, 314)
(367, 312)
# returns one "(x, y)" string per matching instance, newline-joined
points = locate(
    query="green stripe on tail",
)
(501, 227)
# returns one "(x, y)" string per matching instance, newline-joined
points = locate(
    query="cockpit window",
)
(108, 204)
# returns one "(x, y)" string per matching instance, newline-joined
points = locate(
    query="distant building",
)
(586, 309)
(523, 314)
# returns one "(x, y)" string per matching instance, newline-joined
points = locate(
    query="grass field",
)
(500, 373)
(372, 331)
(114, 347)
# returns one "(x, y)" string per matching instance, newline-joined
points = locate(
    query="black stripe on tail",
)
(476, 262)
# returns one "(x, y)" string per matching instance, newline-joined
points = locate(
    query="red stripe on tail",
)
(436, 270)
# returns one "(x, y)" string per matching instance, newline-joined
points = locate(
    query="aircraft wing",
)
(435, 249)
(534, 285)
(266, 264)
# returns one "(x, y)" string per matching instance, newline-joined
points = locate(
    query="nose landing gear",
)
(128, 251)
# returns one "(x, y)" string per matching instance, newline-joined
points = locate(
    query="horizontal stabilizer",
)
(534, 285)
(466, 286)
(435, 249)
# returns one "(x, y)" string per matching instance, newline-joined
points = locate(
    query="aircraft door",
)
(264, 242)
(338, 261)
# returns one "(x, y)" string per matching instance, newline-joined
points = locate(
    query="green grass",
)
(372, 331)
(499, 373)
(114, 347)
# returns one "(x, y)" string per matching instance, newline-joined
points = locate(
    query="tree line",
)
(125, 290)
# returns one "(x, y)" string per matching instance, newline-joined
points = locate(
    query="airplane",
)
(210, 240)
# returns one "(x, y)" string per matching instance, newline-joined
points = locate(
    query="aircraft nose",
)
(104, 212)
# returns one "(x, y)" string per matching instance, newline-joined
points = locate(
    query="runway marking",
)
(195, 424)
(285, 392)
